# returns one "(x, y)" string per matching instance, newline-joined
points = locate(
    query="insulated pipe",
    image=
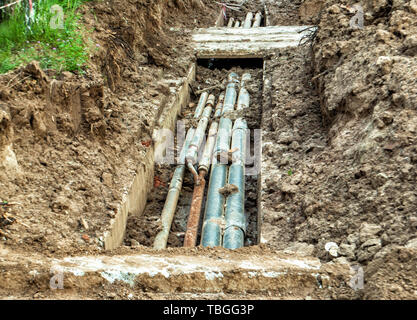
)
(213, 217)
(243, 101)
(248, 21)
(230, 97)
(190, 239)
(212, 225)
(207, 157)
(171, 201)
(200, 105)
(258, 19)
(237, 24)
(192, 152)
(219, 107)
(230, 23)
(234, 233)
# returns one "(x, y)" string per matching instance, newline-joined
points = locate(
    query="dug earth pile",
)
(339, 152)
(346, 156)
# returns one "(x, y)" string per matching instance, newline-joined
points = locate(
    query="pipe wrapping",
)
(201, 104)
(258, 20)
(235, 228)
(197, 140)
(248, 21)
(207, 157)
(171, 201)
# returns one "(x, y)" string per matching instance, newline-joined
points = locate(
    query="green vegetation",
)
(54, 45)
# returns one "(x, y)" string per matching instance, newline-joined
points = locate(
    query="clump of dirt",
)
(70, 144)
(284, 12)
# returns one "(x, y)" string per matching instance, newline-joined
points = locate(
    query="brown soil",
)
(344, 168)
(339, 142)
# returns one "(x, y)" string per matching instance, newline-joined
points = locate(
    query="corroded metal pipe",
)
(231, 95)
(192, 152)
(171, 201)
(219, 107)
(200, 106)
(230, 23)
(207, 157)
(248, 21)
(258, 19)
(190, 239)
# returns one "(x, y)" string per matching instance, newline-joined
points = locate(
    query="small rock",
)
(347, 250)
(85, 237)
(300, 248)
(368, 230)
(84, 223)
(331, 248)
(107, 179)
(411, 243)
(134, 243)
(384, 63)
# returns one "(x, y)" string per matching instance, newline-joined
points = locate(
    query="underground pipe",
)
(192, 152)
(258, 20)
(248, 21)
(219, 106)
(171, 201)
(235, 227)
(200, 106)
(190, 239)
(213, 217)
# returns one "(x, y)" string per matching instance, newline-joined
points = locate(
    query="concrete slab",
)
(238, 42)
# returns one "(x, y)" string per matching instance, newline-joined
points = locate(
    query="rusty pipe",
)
(198, 194)
(190, 239)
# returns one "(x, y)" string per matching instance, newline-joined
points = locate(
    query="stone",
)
(347, 250)
(411, 243)
(300, 248)
(332, 248)
(134, 243)
(385, 64)
(107, 179)
(368, 230)
(382, 35)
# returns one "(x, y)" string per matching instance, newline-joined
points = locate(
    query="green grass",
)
(55, 48)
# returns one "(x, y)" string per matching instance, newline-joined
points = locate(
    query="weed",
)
(59, 48)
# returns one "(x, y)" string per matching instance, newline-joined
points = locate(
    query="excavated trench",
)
(211, 76)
